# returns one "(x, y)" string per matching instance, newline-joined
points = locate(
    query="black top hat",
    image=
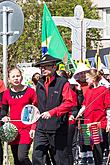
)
(47, 59)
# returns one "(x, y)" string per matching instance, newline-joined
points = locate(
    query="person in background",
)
(62, 73)
(13, 101)
(96, 108)
(103, 81)
(86, 154)
(73, 129)
(35, 78)
(55, 100)
(80, 76)
(69, 73)
(2, 89)
(86, 151)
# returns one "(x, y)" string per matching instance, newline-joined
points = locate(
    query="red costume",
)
(16, 105)
(84, 86)
(96, 101)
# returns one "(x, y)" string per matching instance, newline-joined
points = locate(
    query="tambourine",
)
(30, 114)
(8, 132)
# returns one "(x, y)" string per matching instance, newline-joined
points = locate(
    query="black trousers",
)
(20, 154)
(72, 142)
(58, 144)
(85, 148)
(1, 153)
(98, 149)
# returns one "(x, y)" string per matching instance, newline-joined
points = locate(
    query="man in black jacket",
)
(55, 100)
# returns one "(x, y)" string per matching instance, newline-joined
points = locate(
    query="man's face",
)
(47, 69)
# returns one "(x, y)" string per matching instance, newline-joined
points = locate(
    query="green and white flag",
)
(52, 42)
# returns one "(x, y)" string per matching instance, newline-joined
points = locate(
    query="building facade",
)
(104, 12)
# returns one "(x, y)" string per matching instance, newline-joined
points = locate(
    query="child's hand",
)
(81, 111)
(108, 127)
(32, 133)
(71, 117)
(6, 119)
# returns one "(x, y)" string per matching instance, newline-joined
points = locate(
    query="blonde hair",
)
(96, 75)
(14, 68)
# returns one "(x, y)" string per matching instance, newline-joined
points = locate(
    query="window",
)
(106, 19)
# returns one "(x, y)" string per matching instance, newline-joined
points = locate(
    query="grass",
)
(10, 156)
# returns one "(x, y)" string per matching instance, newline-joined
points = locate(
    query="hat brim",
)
(45, 62)
(80, 68)
(76, 76)
(73, 81)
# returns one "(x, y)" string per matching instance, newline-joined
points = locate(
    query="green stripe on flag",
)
(52, 42)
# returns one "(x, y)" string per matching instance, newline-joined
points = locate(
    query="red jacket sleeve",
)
(69, 100)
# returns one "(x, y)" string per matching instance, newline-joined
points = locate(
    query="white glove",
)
(80, 112)
(6, 119)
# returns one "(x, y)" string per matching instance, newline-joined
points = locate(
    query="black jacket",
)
(46, 103)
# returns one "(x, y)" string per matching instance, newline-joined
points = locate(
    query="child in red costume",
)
(80, 76)
(73, 128)
(96, 108)
(16, 98)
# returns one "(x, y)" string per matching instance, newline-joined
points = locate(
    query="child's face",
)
(15, 77)
(89, 80)
(82, 76)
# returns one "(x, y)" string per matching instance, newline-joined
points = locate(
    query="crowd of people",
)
(68, 104)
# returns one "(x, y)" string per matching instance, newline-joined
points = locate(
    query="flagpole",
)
(97, 53)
